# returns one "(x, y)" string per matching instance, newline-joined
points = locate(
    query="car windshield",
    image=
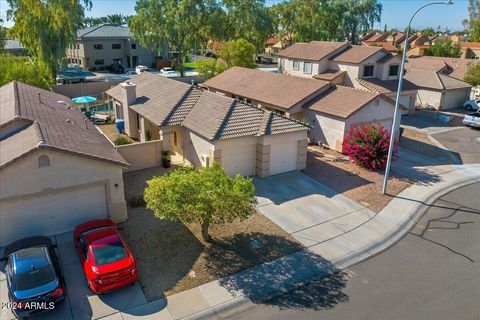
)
(109, 253)
(33, 269)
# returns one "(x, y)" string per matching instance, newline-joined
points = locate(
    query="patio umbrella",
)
(84, 100)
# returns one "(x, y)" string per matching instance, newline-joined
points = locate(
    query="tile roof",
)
(388, 57)
(20, 144)
(356, 54)
(329, 75)
(340, 101)
(211, 115)
(378, 37)
(56, 126)
(385, 45)
(385, 86)
(313, 50)
(434, 80)
(470, 44)
(455, 67)
(279, 90)
(104, 31)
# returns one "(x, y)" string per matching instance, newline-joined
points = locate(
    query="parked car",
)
(168, 71)
(470, 105)
(139, 69)
(116, 68)
(107, 261)
(73, 75)
(131, 73)
(34, 277)
(472, 119)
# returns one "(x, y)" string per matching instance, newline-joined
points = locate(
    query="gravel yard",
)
(337, 172)
(172, 257)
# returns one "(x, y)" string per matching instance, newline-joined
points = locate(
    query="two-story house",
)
(361, 67)
(99, 46)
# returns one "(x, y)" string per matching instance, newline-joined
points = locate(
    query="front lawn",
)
(191, 65)
(172, 257)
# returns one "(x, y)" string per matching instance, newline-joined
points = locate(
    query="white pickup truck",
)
(472, 119)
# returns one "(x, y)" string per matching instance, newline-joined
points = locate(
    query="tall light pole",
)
(399, 90)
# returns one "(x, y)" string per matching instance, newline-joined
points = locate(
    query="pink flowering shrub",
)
(367, 146)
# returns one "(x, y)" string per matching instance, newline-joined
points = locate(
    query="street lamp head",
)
(448, 2)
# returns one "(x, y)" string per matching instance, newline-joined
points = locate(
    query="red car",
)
(106, 259)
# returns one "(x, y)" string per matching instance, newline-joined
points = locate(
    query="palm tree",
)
(116, 19)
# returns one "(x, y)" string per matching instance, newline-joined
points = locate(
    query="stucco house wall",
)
(429, 97)
(25, 179)
(326, 129)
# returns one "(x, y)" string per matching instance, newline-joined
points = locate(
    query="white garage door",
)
(283, 157)
(239, 161)
(50, 214)
(454, 99)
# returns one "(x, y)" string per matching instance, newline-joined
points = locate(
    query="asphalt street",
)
(432, 273)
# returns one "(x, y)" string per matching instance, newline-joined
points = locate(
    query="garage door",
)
(239, 161)
(283, 157)
(50, 214)
(454, 99)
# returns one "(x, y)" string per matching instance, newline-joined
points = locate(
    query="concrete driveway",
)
(463, 141)
(81, 303)
(307, 209)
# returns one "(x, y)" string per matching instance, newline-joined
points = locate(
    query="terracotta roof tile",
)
(385, 86)
(313, 50)
(329, 75)
(63, 129)
(434, 80)
(356, 54)
(271, 88)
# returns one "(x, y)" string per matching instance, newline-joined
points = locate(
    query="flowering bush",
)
(367, 146)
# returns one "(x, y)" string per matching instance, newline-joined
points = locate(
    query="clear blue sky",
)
(396, 13)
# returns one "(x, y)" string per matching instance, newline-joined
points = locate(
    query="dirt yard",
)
(337, 172)
(110, 130)
(172, 257)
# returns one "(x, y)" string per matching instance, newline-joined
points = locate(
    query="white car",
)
(168, 72)
(470, 105)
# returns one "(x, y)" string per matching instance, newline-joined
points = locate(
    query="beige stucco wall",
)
(381, 115)
(429, 97)
(455, 98)
(24, 178)
(198, 151)
(326, 129)
(142, 155)
(317, 67)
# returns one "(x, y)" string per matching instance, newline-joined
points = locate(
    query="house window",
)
(307, 67)
(296, 65)
(249, 101)
(98, 46)
(99, 62)
(78, 46)
(134, 46)
(43, 161)
(393, 70)
(116, 46)
(174, 137)
(368, 71)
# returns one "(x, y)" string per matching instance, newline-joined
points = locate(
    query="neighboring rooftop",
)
(340, 101)
(385, 86)
(313, 50)
(453, 67)
(329, 75)
(356, 54)
(275, 89)
(32, 118)
(167, 102)
(377, 37)
(434, 80)
(104, 31)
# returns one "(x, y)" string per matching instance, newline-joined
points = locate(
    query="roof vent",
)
(17, 116)
(65, 104)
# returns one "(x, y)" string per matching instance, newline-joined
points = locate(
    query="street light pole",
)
(399, 90)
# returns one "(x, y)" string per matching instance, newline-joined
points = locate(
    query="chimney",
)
(130, 92)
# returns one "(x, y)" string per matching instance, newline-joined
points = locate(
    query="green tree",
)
(45, 28)
(179, 23)
(472, 24)
(239, 53)
(210, 67)
(116, 19)
(444, 48)
(472, 75)
(3, 34)
(358, 16)
(206, 196)
(20, 69)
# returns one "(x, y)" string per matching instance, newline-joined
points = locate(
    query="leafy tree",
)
(21, 69)
(239, 53)
(358, 16)
(210, 67)
(116, 19)
(472, 75)
(473, 22)
(206, 196)
(367, 145)
(3, 34)
(45, 28)
(444, 48)
(177, 22)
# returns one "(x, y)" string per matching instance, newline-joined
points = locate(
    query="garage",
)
(455, 98)
(283, 157)
(53, 213)
(239, 161)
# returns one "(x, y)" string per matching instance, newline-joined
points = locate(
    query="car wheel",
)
(468, 107)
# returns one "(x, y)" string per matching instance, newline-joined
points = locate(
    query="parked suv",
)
(116, 68)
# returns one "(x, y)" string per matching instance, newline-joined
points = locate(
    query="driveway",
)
(311, 212)
(81, 303)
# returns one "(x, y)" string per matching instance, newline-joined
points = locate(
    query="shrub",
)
(121, 140)
(367, 146)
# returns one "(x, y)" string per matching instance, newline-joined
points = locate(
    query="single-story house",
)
(438, 90)
(331, 110)
(199, 127)
(56, 169)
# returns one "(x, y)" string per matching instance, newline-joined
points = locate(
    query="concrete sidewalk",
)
(233, 294)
